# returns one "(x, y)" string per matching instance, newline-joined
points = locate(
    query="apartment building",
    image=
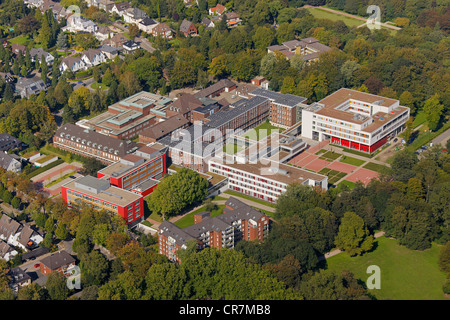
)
(126, 119)
(89, 143)
(238, 222)
(354, 120)
(102, 195)
(265, 181)
(138, 172)
(162, 129)
(285, 109)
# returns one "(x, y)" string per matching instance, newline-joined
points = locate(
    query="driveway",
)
(145, 44)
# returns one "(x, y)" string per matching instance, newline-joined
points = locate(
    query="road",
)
(442, 138)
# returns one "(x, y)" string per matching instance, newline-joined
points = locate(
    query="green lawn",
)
(323, 14)
(352, 161)
(375, 167)
(231, 148)
(262, 131)
(96, 85)
(240, 195)
(419, 119)
(405, 274)
(333, 175)
(20, 40)
(349, 184)
(330, 156)
(188, 220)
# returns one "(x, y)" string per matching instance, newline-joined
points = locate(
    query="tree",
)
(433, 110)
(178, 191)
(444, 258)
(133, 30)
(94, 268)
(326, 285)
(56, 286)
(402, 165)
(50, 225)
(61, 41)
(218, 67)
(16, 202)
(61, 231)
(353, 236)
(91, 166)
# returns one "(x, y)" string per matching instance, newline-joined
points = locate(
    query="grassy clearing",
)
(405, 274)
(263, 130)
(240, 195)
(330, 156)
(375, 167)
(352, 161)
(323, 14)
(188, 220)
(349, 184)
(333, 175)
(231, 148)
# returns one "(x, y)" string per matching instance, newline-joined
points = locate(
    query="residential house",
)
(207, 23)
(233, 19)
(162, 30)
(130, 46)
(28, 86)
(8, 142)
(217, 10)
(9, 163)
(147, 24)
(72, 63)
(19, 278)
(134, 15)
(16, 48)
(188, 28)
(103, 33)
(93, 57)
(7, 252)
(108, 51)
(116, 41)
(37, 53)
(60, 261)
(7, 77)
(77, 23)
(18, 235)
(120, 8)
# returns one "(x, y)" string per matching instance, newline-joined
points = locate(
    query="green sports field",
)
(405, 274)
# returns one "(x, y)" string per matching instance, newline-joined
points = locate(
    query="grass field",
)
(405, 274)
(262, 131)
(375, 167)
(240, 195)
(349, 184)
(330, 156)
(188, 220)
(231, 148)
(323, 14)
(352, 161)
(333, 175)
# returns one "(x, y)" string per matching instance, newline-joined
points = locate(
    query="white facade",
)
(357, 121)
(264, 185)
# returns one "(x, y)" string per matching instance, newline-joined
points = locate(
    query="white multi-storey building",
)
(265, 182)
(354, 120)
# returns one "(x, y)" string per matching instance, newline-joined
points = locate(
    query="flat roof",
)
(285, 173)
(117, 196)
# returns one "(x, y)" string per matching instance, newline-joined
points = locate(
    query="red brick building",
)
(60, 261)
(238, 222)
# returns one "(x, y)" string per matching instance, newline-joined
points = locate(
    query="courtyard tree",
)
(353, 236)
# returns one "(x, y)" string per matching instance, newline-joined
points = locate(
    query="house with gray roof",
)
(37, 53)
(188, 28)
(25, 87)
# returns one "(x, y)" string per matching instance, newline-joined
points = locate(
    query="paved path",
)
(337, 251)
(442, 138)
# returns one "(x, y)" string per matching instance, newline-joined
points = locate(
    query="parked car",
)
(36, 265)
